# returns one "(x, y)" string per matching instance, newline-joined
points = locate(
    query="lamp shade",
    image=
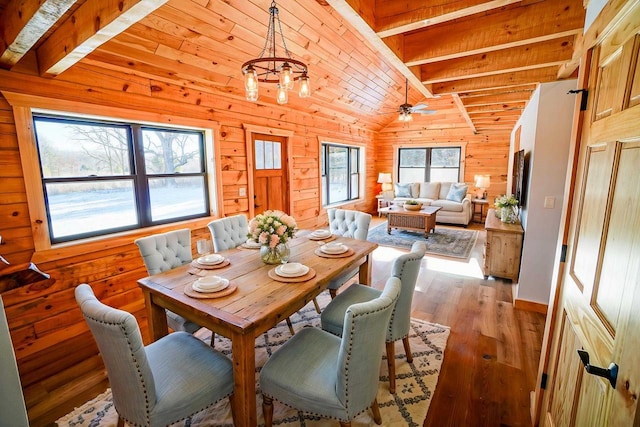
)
(384, 178)
(483, 181)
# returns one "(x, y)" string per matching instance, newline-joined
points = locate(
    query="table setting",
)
(334, 250)
(209, 287)
(322, 235)
(210, 262)
(292, 272)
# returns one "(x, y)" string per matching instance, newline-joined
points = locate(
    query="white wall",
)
(12, 408)
(545, 135)
(593, 9)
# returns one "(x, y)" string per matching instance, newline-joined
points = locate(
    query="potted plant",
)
(412, 205)
(507, 206)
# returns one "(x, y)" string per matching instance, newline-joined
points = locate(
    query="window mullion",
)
(141, 181)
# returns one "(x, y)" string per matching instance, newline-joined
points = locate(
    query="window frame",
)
(25, 105)
(323, 159)
(429, 146)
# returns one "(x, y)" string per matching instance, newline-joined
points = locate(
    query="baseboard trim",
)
(536, 307)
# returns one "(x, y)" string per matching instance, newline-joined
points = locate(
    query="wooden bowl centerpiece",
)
(412, 205)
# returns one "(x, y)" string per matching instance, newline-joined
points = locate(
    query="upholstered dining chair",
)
(229, 232)
(406, 267)
(352, 224)
(162, 252)
(159, 384)
(317, 372)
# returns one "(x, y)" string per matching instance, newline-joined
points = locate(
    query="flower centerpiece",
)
(273, 229)
(507, 205)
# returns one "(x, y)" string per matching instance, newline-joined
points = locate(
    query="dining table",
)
(258, 300)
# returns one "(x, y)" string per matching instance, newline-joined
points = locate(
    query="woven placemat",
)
(188, 290)
(348, 253)
(310, 275)
(224, 263)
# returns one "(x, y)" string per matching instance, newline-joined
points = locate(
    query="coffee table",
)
(422, 220)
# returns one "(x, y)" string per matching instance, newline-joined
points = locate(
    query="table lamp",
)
(385, 180)
(482, 182)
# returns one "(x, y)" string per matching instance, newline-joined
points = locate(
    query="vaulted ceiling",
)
(481, 58)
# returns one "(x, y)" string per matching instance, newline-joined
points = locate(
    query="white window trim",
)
(397, 147)
(362, 165)
(23, 107)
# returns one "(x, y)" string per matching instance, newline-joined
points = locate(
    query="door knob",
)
(611, 373)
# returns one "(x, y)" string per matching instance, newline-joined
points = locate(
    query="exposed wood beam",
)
(94, 23)
(350, 15)
(424, 17)
(463, 111)
(522, 88)
(539, 75)
(24, 23)
(497, 99)
(495, 108)
(502, 30)
(525, 57)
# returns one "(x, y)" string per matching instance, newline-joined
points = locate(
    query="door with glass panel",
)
(270, 183)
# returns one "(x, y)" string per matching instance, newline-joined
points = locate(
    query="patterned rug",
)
(415, 382)
(444, 241)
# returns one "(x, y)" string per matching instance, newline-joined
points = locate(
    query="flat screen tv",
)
(519, 177)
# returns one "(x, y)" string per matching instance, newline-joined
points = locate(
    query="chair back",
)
(406, 267)
(162, 252)
(118, 337)
(361, 349)
(349, 223)
(229, 232)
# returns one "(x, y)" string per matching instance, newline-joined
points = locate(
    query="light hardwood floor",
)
(491, 358)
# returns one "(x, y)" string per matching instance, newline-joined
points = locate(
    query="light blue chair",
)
(319, 373)
(165, 251)
(159, 384)
(347, 223)
(229, 232)
(406, 267)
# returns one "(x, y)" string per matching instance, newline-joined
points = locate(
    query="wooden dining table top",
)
(259, 302)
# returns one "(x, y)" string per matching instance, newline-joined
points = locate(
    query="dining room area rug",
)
(415, 382)
(443, 241)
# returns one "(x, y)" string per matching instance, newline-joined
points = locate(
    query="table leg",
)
(364, 275)
(156, 317)
(244, 378)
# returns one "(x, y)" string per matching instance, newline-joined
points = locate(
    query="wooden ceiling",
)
(483, 57)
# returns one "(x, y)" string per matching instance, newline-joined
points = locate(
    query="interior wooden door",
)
(270, 183)
(599, 296)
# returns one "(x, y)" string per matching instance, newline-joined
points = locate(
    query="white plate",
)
(303, 270)
(224, 283)
(321, 233)
(212, 259)
(334, 249)
(250, 243)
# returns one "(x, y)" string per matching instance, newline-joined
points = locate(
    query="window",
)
(429, 164)
(100, 177)
(340, 170)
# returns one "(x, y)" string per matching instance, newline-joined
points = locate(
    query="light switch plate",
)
(243, 192)
(549, 202)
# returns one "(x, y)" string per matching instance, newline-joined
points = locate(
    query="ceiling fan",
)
(407, 109)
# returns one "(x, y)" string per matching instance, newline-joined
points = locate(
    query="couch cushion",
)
(457, 192)
(448, 205)
(415, 189)
(429, 190)
(403, 190)
(444, 190)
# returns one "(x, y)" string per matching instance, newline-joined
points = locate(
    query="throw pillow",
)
(457, 192)
(429, 190)
(403, 190)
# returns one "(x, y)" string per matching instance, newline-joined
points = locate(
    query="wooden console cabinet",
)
(503, 248)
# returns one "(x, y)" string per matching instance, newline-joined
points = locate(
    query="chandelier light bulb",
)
(250, 79)
(305, 86)
(286, 76)
(408, 116)
(282, 96)
(252, 95)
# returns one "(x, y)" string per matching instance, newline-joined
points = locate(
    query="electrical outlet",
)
(549, 202)
(243, 192)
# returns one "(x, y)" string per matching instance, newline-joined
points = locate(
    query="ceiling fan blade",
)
(419, 106)
(424, 111)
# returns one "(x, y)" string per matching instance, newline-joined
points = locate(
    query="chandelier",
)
(270, 68)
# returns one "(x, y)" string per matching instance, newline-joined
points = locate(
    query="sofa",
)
(455, 202)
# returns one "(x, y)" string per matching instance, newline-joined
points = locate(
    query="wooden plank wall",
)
(57, 358)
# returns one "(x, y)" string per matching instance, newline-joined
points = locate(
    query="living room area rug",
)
(415, 382)
(444, 241)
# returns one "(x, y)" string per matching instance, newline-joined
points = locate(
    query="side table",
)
(482, 203)
(383, 203)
